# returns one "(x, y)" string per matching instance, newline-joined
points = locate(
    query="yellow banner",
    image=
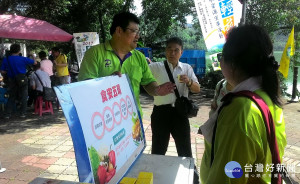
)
(289, 51)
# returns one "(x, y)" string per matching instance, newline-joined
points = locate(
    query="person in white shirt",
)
(164, 119)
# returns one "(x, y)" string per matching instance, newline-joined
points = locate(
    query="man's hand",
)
(117, 73)
(184, 78)
(165, 89)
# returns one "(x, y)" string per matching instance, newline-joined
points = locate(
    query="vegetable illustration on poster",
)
(111, 126)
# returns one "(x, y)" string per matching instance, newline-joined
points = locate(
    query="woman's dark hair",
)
(123, 19)
(175, 40)
(249, 48)
(15, 48)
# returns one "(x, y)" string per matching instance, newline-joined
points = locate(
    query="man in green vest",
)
(118, 56)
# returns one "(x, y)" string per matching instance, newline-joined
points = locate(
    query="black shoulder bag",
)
(20, 79)
(184, 106)
(48, 93)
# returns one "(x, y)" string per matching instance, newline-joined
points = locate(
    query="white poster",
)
(110, 124)
(83, 41)
(216, 17)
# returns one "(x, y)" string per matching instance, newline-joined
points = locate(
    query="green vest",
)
(100, 60)
(241, 137)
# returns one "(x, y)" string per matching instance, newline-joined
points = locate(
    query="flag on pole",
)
(289, 50)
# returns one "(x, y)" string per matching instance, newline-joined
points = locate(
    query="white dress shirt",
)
(160, 73)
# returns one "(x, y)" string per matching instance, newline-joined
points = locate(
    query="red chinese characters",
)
(110, 93)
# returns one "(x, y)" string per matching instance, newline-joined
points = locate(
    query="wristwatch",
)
(190, 83)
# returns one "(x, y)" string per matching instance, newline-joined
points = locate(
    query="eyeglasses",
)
(219, 56)
(134, 31)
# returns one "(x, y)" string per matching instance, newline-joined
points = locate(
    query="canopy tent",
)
(18, 27)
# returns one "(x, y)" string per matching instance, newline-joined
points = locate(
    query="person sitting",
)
(35, 81)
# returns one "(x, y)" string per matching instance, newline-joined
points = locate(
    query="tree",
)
(158, 16)
(280, 16)
(268, 14)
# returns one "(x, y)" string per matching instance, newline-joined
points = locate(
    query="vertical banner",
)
(106, 127)
(83, 41)
(216, 17)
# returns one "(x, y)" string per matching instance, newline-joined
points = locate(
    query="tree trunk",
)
(295, 78)
(102, 30)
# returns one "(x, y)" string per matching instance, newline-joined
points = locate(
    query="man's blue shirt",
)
(17, 65)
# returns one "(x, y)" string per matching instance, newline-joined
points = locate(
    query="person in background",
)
(118, 56)
(1, 81)
(46, 64)
(12, 66)
(238, 133)
(61, 66)
(36, 78)
(222, 88)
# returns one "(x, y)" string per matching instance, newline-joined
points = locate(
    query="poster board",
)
(105, 126)
(82, 42)
(216, 17)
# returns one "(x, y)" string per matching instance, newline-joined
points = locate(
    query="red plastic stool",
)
(38, 106)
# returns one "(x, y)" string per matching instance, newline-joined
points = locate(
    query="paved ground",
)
(42, 146)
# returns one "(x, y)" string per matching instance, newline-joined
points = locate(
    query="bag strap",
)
(269, 124)
(171, 78)
(39, 78)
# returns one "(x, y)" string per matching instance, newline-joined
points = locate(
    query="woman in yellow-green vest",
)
(240, 138)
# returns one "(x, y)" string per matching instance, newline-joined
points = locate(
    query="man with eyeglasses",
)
(118, 56)
(165, 120)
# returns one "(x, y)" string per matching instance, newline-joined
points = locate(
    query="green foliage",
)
(159, 16)
(267, 14)
(189, 36)
(211, 78)
(283, 85)
(95, 160)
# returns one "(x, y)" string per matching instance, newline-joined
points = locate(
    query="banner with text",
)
(110, 126)
(83, 41)
(216, 17)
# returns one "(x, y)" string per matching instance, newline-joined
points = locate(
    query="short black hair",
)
(175, 40)
(56, 49)
(15, 48)
(42, 54)
(36, 66)
(123, 19)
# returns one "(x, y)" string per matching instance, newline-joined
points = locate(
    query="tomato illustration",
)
(110, 174)
(101, 172)
(112, 157)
